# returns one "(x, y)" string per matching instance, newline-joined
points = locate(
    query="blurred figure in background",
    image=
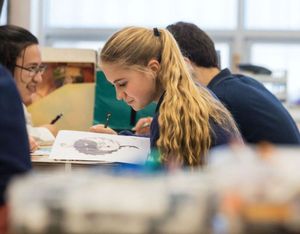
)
(14, 150)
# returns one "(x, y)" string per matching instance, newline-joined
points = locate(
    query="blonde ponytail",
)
(187, 110)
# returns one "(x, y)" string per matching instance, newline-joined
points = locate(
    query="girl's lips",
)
(129, 102)
(31, 88)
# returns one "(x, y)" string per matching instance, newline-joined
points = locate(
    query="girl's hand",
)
(99, 128)
(142, 127)
(51, 128)
(33, 145)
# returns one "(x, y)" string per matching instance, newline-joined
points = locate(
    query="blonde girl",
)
(146, 65)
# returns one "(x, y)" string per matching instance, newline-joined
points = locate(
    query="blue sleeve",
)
(129, 133)
(126, 133)
(14, 146)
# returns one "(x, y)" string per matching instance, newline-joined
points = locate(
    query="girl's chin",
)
(27, 98)
(136, 108)
(27, 101)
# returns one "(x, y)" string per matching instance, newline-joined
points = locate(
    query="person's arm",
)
(42, 134)
(99, 128)
(14, 150)
(51, 128)
(33, 145)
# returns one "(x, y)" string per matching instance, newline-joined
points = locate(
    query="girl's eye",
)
(32, 69)
(123, 84)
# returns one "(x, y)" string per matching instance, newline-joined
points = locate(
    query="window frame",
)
(239, 39)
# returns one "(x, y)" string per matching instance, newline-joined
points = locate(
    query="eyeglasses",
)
(34, 70)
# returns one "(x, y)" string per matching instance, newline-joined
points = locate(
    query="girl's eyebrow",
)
(32, 64)
(118, 80)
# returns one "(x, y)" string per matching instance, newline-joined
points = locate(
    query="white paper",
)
(89, 146)
(42, 151)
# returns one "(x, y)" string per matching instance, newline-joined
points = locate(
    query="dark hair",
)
(13, 40)
(194, 44)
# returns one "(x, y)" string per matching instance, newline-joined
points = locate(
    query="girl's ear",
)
(187, 60)
(189, 63)
(154, 66)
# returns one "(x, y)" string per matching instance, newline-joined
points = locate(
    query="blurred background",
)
(260, 32)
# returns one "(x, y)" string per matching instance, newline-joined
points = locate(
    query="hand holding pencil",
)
(100, 128)
(103, 128)
(51, 126)
(142, 127)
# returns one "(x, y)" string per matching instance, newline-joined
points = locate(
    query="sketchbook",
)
(89, 146)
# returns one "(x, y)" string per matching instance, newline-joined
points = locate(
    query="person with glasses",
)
(20, 54)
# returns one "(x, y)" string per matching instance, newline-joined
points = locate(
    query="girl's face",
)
(28, 72)
(136, 88)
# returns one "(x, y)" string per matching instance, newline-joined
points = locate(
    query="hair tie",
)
(156, 32)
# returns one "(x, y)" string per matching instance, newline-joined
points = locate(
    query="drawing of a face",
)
(96, 146)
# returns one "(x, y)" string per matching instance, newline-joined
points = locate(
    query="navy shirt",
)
(14, 146)
(259, 115)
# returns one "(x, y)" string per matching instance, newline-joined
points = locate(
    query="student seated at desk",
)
(21, 55)
(146, 65)
(14, 150)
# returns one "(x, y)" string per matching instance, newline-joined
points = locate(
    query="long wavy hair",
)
(187, 110)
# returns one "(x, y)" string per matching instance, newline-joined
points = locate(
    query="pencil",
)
(146, 124)
(53, 121)
(107, 119)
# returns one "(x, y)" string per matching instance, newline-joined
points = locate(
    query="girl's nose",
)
(38, 78)
(120, 95)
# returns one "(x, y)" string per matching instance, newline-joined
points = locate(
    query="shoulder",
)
(11, 109)
(11, 100)
(6, 81)
(14, 160)
(219, 135)
(232, 81)
(237, 89)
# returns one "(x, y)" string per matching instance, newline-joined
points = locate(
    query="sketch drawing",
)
(76, 145)
(98, 146)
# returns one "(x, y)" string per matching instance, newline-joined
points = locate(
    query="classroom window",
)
(3, 18)
(80, 44)
(272, 14)
(224, 50)
(231, 23)
(222, 47)
(279, 56)
(116, 13)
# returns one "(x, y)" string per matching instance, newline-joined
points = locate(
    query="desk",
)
(44, 162)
